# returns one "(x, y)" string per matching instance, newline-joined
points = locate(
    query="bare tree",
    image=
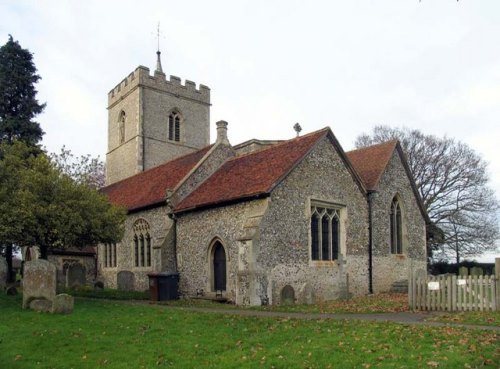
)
(84, 169)
(452, 180)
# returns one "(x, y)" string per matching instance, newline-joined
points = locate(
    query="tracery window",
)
(325, 233)
(109, 255)
(396, 227)
(142, 244)
(121, 127)
(174, 126)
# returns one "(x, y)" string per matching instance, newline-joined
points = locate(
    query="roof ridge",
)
(284, 142)
(394, 141)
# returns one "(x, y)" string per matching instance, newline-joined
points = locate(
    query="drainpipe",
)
(370, 242)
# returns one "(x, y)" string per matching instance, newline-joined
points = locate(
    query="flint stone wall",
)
(162, 251)
(389, 268)
(39, 281)
(267, 241)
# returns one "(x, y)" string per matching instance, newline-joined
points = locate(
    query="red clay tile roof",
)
(251, 174)
(370, 162)
(149, 187)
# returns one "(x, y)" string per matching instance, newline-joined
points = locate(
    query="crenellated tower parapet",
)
(152, 120)
(141, 77)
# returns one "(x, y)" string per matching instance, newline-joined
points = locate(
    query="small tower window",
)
(174, 126)
(121, 127)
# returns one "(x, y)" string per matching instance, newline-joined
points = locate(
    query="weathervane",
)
(297, 128)
(158, 52)
(158, 36)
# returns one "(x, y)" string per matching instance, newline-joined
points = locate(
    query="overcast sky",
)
(432, 65)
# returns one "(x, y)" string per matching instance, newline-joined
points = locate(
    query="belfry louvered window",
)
(142, 244)
(396, 226)
(325, 233)
(174, 127)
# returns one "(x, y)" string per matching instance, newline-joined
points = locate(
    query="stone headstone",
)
(41, 305)
(463, 271)
(287, 295)
(11, 291)
(39, 281)
(63, 304)
(75, 275)
(306, 294)
(476, 271)
(125, 280)
(3, 273)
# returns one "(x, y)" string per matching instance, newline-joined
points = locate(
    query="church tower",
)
(152, 120)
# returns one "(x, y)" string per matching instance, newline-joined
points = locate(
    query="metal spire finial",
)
(158, 52)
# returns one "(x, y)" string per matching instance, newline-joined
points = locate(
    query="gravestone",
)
(75, 275)
(476, 271)
(41, 305)
(287, 295)
(11, 291)
(306, 294)
(39, 281)
(3, 273)
(125, 280)
(63, 304)
(463, 271)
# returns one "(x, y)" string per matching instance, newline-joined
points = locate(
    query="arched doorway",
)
(219, 264)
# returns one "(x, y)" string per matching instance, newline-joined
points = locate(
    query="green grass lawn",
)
(106, 334)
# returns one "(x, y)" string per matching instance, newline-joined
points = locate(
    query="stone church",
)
(257, 222)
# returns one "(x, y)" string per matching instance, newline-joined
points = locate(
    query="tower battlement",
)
(140, 77)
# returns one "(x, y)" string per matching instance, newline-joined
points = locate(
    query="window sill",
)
(323, 263)
(399, 256)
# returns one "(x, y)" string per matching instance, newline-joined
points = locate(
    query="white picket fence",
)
(453, 293)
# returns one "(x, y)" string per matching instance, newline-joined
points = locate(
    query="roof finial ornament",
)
(158, 52)
(297, 128)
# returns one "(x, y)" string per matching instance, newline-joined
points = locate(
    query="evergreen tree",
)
(18, 103)
(18, 107)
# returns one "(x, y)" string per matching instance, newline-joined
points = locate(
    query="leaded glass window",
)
(396, 227)
(174, 127)
(325, 233)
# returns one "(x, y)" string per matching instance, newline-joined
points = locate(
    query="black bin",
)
(163, 286)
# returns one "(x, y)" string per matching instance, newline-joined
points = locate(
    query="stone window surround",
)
(404, 234)
(175, 112)
(122, 118)
(142, 245)
(109, 252)
(342, 212)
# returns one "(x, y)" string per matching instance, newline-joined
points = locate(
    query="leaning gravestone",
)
(63, 304)
(75, 275)
(125, 280)
(39, 281)
(3, 273)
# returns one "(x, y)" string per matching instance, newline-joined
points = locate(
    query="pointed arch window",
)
(396, 227)
(121, 127)
(174, 126)
(142, 244)
(325, 233)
